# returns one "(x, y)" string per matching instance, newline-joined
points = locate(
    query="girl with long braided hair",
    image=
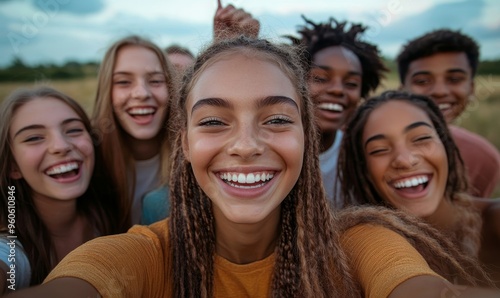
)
(249, 217)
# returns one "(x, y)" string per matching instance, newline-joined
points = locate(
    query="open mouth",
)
(67, 170)
(141, 112)
(246, 181)
(444, 106)
(331, 107)
(412, 185)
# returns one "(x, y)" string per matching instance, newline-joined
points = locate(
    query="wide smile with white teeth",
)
(444, 106)
(63, 168)
(250, 180)
(334, 107)
(411, 182)
(141, 111)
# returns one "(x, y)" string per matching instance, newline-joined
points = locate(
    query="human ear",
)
(15, 173)
(185, 144)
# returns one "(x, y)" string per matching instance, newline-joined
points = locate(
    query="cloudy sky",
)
(56, 31)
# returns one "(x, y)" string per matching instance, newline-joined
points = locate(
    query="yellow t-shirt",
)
(135, 264)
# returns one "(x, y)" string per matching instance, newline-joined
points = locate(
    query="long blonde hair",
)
(117, 155)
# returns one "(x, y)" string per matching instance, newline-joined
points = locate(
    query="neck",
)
(143, 149)
(67, 228)
(326, 141)
(444, 218)
(246, 243)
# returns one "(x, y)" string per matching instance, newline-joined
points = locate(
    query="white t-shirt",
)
(147, 178)
(328, 164)
(20, 261)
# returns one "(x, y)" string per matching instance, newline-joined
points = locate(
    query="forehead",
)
(394, 115)
(42, 111)
(135, 56)
(337, 57)
(440, 63)
(239, 76)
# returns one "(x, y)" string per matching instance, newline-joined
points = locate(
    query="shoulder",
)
(471, 141)
(132, 264)
(382, 259)
(490, 210)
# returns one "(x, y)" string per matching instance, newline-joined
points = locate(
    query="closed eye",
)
(378, 151)
(422, 138)
(32, 139)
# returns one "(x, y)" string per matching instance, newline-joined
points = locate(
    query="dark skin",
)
(490, 235)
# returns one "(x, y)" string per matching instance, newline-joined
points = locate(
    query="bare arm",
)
(231, 22)
(431, 286)
(61, 287)
(3, 277)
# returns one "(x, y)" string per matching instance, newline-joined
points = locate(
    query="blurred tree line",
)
(18, 71)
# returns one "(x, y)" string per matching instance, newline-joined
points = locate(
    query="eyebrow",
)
(131, 73)
(39, 126)
(266, 101)
(453, 70)
(328, 68)
(406, 129)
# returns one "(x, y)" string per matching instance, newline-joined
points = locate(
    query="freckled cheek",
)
(290, 148)
(202, 150)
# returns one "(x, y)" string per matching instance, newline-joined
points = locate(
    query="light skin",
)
(54, 153)
(406, 159)
(139, 98)
(335, 87)
(180, 61)
(446, 78)
(241, 125)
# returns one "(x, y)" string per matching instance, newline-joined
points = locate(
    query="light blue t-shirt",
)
(19, 260)
(155, 206)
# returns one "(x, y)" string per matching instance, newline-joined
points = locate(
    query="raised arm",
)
(230, 22)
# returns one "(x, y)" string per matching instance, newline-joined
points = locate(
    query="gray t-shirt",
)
(328, 164)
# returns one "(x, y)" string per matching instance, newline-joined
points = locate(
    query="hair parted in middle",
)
(309, 259)
(317, 36)
(357, 188)
(116, 154)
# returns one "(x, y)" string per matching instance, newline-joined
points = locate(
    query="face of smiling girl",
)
(52, 149)
(139, 92)
(244, 137)
(406, 159)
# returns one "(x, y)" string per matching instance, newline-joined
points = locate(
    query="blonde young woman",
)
(135, 87)
(249, 216)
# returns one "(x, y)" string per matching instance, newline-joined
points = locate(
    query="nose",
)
(59, 144)
(405, 158)
(335, 87)
(439, 90)
(247, 142)
(141, 90)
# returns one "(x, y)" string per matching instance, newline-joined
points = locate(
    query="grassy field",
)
(480, 117)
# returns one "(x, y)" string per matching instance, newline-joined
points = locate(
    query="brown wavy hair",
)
(353, 172)
(99, 204)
